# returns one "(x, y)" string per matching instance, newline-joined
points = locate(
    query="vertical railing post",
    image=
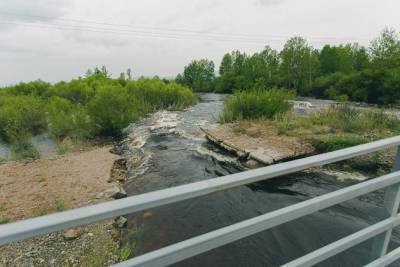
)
(391, 203)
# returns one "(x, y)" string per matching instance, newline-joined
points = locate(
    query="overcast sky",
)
(59, 39)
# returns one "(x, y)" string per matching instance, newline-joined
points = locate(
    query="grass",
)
(4, 219)
(42, 179)
(255, 104)
(41, 211)
(24, 151)
(335, 142)
(339, 127)
(125, 253)
(59, 204)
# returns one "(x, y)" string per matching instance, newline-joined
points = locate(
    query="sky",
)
(57, 40)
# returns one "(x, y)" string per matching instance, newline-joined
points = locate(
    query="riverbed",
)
(168, 149)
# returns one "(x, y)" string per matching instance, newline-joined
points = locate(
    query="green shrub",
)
(256, 103)
(20, 118)
(4, 219)
(112, 109)
(35, 88)
(83, 108)
(160, 95)
(76, 91)
(67, 119)
(24, 151)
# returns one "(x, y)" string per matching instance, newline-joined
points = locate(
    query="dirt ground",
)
(42, 186)
(39, 187)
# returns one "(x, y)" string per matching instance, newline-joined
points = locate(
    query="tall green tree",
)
(385, 49)
(199, 75)
(298, 64)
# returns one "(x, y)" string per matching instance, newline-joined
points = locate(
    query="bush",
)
(36, 88)
(256, 103)
(160, 95)
(20, 118)
(83, 108)
(76, 91)
(67, 119)
(113, 108)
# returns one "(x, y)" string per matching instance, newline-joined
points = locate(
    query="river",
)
(168, 149)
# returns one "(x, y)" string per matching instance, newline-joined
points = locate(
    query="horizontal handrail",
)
(345, 243)
(54, 222)
(389, 258)
(194, 246)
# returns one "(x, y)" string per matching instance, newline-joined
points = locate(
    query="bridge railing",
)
(380, 232)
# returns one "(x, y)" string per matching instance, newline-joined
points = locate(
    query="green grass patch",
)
(324, 143)
(125, 253)
(59, 204)
(24, 151)
(4, 219)
(255, 104)
(41, 211)
(42, 179)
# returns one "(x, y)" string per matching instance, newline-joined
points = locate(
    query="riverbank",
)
(35, 188)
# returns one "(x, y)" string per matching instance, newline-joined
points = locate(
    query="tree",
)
(361, 58)
(226, 64)
(385, 50)
(298, 64)
(199, 75)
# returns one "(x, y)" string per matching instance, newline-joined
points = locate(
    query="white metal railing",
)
(381, 231)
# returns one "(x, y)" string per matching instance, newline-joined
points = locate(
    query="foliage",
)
(160, 95)
(347, 72)
(339, 127)
(83, 108)
(125, 252)
(198, 75)
(110, 121)
(20, 117)
(298, 64)
(66, 119)
(335, 142)
(4, 219)
(256, 103)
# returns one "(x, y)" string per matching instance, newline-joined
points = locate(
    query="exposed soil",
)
(29, 189)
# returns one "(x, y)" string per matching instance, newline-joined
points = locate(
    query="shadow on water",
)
(177, 160)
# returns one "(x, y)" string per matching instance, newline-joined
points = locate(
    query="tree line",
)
(347, 72)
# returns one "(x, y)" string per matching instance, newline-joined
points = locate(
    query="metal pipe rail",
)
(381, 231)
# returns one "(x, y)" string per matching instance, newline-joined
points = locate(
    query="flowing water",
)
(168, 149)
